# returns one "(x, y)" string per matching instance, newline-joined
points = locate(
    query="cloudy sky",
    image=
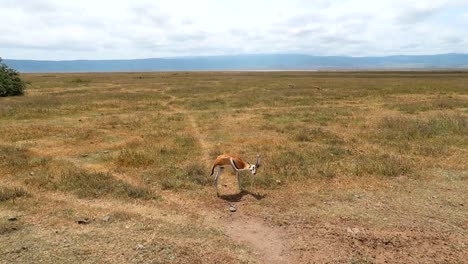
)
(125, 29)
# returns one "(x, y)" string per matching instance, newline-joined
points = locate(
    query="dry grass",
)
(7, 193)
(384, 152)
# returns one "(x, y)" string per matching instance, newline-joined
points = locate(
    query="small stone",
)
(83, 221)
(105, 151)
(278, 181)
(232, 209)
(353, 231)
(12, 218)
(106, 218)
(31, 173)
(140, 247)
(84, 155)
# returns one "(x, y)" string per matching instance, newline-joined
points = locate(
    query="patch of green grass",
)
(311, 134)
(442, 103)
(192, 175)
(173, 183)
(304, 162)
(196, 173)
(88, 184)
(412, 128)
(14, 158)
(260, 180)
(93, 185)
(203, 104)
(79, 80)
(388, 165)
(431, 136)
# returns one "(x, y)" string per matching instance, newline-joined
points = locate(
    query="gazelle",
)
(237, 164)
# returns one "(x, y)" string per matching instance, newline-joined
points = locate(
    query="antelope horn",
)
(257, 163)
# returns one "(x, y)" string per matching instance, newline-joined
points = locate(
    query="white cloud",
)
(85, 29)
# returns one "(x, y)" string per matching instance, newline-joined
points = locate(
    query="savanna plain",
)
(357, 167)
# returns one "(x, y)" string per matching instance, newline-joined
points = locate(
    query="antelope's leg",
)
(218, 173)
(238, 181)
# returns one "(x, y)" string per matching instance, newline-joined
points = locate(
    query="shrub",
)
(10, 82)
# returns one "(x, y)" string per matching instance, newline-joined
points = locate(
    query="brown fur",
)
(225, 160)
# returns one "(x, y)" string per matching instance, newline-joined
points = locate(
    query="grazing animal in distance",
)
(236, 163)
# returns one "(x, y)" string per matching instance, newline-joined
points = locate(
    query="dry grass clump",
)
(13, 157)
(133, 158)
(9, 227)
(7, 193)
(17, 159)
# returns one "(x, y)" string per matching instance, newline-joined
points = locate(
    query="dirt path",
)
(200, 137)
(265, 242)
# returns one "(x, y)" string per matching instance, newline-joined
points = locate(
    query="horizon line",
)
(238, 55)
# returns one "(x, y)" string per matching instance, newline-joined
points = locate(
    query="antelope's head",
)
(253, 168)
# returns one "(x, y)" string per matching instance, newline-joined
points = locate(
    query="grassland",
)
(358, 167)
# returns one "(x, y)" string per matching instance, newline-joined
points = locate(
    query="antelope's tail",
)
(212, 170)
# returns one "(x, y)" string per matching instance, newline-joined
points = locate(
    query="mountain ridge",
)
(246, 62)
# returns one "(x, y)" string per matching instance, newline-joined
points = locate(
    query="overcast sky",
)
(124, 29)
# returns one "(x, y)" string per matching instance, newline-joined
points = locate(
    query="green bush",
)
(10, 82)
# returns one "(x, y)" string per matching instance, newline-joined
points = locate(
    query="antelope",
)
(237, 164)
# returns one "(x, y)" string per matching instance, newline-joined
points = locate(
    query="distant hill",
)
(247, 62)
